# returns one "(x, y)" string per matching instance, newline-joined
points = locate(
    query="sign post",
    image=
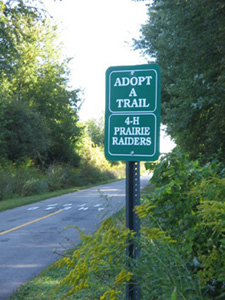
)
(132, 222)
(132, 125)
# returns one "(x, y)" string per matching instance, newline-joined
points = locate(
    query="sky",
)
(98, 34)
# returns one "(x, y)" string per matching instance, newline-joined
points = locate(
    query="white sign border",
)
(134, 71)
(131, 155)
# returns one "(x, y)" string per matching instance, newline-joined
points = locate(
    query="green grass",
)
(19, 201)
(42, 287)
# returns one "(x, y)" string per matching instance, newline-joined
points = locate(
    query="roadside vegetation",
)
(23, 183)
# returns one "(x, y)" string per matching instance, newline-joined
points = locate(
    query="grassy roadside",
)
(19, 201)
(43, 287)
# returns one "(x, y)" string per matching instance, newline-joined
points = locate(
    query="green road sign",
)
(132, 118)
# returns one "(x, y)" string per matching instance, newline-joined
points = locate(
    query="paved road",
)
(29, 234)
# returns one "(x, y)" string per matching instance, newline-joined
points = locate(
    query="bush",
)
(207, 236)
(188, 203)
(24, 133)
(23, 178)
(6, 184)
(14, 177)
(54, 177)
(34, 187)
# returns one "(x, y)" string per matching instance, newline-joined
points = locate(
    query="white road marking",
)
(50, 207)
(67, 207)
(100, 208)
(67, 204)
(83, 208)
(33, 208)
(97, 205)
(81, 205)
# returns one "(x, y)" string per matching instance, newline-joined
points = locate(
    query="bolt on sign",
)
(132, 117)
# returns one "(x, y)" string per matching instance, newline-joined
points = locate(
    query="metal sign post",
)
(132, 222)
(132, 124)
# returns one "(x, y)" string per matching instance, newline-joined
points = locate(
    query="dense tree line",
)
(38, 115)
(187, 39)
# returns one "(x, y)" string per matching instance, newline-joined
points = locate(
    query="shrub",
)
(174, 177)
(34, 187)
(208, 237)
(14, 177)
(23, 178)
(188, 203)
(6, 184)
(54, 177)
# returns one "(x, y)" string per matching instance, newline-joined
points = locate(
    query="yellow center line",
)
(31, 222)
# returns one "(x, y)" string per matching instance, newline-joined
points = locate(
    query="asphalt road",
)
(33, 236)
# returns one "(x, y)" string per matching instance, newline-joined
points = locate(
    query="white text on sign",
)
(125, 81)
(123, 103)
(137, 136)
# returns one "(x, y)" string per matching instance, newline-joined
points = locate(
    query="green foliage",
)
(174, 177)
(95, 130)
(14, 179)
(98, 267)
(188, 204)
(211, 220)
(34, 74)
(163, 271)
(34, 187)
(24, 178)
(24, 133)
(101, 256)
(187, 40)
(93, 158)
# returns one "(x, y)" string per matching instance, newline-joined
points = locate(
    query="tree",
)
(95, 130)
(24, 133)
(36, 74)
(187, 40)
